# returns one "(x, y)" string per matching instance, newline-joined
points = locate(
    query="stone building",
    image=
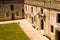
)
(44, 15)
(11, 9)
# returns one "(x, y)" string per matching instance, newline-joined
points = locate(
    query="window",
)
(41, 11)
(32, 9)
(17, 13)
(7, 14)
(12, 7)
(52, 28)
(58, 18)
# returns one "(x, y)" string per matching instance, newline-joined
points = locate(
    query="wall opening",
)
(7, 14)
(58, 18)
(32, 9)
(41, 10)
(17, 13)
(52, 28)
(12, 7)
(13, 16)
(42, 24)
(22, 10)
(32, 20)
(57, 34)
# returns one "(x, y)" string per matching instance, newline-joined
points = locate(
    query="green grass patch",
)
(12, 31)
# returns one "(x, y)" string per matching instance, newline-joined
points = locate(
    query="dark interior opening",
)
(12, 16)
(42, 24)
(33, 26)
(17, 13)
(58, 18)
(57, 35)
(32, 9)
(32, 19)
(48, 37)
(22, 10)
(7, 14)
(12, 7)
(51, 28)
(41, 10)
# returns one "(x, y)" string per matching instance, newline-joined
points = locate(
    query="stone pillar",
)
(37, 23)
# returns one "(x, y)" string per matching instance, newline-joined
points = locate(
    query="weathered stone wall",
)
(5, 8)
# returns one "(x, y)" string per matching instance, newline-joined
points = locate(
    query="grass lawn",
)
(12, 31)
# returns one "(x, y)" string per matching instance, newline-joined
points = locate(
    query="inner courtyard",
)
(42, 15)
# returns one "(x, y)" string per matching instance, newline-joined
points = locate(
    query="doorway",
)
(13, 16)
(42, 24)
(32, 20)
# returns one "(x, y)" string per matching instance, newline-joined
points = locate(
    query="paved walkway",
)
(28, 29)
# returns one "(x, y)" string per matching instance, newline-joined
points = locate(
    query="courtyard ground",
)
(12, 31)
(28, 29)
